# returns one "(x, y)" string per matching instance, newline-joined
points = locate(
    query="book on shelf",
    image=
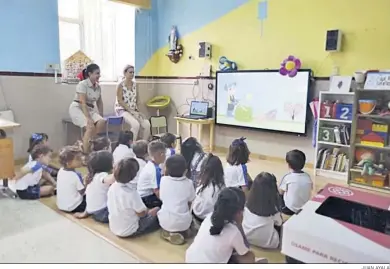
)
(332, 160)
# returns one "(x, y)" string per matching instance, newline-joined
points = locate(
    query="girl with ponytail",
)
(220, 238)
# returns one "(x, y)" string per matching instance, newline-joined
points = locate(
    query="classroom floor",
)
(37, 232)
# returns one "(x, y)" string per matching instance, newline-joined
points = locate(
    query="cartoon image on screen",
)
(264, 100)
(199, 108)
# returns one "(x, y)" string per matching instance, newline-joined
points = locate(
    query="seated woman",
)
(126, 105)
(82, 109)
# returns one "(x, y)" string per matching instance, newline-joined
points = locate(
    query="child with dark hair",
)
(194, 155)
(148, 184)
(70, 187)
(176, 193)
(211, 184)
(262, 218)
(128, 215)
(295, 187)
(100, 143)
(140, 149)
(28, 179)
(49, 173)
(236, 171)
(123, 150)
(220, 238)
(170, 143)
(99, 179)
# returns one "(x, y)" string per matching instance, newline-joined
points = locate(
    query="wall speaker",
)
(333, 40)
(204, 50)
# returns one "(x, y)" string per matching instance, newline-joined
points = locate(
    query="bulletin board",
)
(7, 168)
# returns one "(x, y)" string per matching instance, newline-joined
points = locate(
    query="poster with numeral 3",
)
(343, 111)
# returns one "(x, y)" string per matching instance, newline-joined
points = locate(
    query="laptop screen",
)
(199, 108)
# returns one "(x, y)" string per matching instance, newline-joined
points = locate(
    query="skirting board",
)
(261, 157)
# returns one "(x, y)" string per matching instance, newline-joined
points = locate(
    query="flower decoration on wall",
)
(290, 66)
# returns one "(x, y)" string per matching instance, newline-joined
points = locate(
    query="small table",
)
(6, 155)
(200, 123)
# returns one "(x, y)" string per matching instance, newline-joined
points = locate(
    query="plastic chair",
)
(113, 121)
(159, 126)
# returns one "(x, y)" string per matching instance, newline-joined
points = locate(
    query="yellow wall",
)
(292, 27)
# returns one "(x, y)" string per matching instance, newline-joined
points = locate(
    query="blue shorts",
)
(31, 193)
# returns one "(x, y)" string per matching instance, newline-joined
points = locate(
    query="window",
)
(102, 29)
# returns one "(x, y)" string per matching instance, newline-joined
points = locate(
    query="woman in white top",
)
(194, 155)
(82, 110)
(124, 150)
(220, 238)
(100, 165)
(211, 184)
(126, 105)
(262, 218)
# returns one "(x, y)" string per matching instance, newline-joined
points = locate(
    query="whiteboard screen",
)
(263, 100)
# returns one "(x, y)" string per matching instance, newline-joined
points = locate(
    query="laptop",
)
(198, 110)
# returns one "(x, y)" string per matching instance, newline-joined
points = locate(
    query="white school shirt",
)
(122, 152)
(147, 180)
(30, 158)
(175, 194)
(234, 176)
(123, 205)
(96, 193)
(260, 231)
(68, 187)
(168, 153)
(208, 248)
(204, 202)
(30, 179)
(297, 189)
(141, 164)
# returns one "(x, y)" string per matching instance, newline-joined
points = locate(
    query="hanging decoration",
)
(175, 49)
(226, 65)
(262, 14)
(290, 66)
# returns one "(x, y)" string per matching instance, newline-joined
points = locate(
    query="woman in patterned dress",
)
(126, 105)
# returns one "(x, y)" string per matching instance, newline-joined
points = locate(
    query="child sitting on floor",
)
(123, 150)
(262, 218)
(176, 193)
(194, 155)
(128, 215)
(170, 143)
(49, 173)
(28, 179)
(236, 171)
(100, 143)
(220, 238)
(100, 165)
(211, 184)
(70, 187)
(148, 184)
(295, 187)
(140, 149)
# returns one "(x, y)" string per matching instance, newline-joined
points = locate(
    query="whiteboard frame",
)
(310, 76)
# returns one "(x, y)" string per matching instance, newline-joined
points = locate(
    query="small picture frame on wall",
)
(377, 81)
(340, 84)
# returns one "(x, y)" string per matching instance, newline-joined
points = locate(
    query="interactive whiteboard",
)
(263, 100)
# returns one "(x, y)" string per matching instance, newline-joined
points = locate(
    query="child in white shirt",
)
(262, 218)
(236, 170)
(220, 238)
(295, 187)
(176, 193)
(170, 143)
(148, 184)
(194, 155)
(100, 143)
(70, 187)
(128, 215)
(100, 165)
(28, 179)
(124, 150)
(140, 149)
(211, 184)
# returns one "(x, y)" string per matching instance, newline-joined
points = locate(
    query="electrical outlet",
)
(52, 67)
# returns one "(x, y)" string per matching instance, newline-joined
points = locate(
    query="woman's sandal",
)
(173, 238)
